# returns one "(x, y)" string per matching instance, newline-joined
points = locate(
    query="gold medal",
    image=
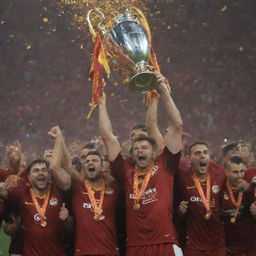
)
(43, 223)
(96, 217)
(233, 220)
(207, 216)
(136, 207)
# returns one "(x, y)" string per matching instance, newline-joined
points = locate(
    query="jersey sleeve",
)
(172, 160)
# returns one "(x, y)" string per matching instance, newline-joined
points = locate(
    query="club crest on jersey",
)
(225, 196)
(215, 189)
(53, 201)
(36, 217)
(109, 191)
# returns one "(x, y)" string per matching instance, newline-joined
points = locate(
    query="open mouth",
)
(41, 179)
(202, 164)
(141, 158)
(91, 169)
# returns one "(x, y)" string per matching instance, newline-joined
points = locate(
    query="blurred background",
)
(206, 49)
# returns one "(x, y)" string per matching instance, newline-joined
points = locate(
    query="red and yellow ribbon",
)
(97, 207)
(98, 62)
(41, 210)
(204, 197)
(138, 192)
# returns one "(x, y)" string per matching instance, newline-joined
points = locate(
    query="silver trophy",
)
(127, 44)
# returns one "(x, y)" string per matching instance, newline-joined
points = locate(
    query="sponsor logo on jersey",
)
(149, 196)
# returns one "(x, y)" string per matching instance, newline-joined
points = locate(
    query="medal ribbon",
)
(205, 198)
(97, 207)
(40, 210)
(236, 203)
(138, 193)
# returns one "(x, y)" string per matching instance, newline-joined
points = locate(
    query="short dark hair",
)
(36, 161)
(235, 160)
(142, 127)
(143, 137)
(96, 153)
(228, 147)
(196, 143)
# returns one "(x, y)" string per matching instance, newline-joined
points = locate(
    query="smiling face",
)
(143, 154)
(200, 159)
(93, 167)
(39, 177)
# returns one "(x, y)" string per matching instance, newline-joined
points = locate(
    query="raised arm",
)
(61, 176)
(105, 128)
(173, 136)
(15, 156)
(151, 123)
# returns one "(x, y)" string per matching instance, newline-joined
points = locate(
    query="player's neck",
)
(40, 192)
(232, 184)
(201, 177)
(97, 183)
(144, 169)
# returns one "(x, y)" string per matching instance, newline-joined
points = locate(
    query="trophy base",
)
(143, 82)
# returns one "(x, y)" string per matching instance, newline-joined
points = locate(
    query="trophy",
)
(127, 43)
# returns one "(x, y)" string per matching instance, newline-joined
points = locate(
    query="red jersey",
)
(16, 244)
(94, 237)
(153, 222)
(38, 240)
(250, 174)
(238, 234)
(202, 234)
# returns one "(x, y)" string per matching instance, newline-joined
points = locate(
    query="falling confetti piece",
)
(224, 8)
(45, 20)
(3, 21)
(28, 47)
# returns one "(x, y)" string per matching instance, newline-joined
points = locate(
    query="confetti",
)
(223, 9)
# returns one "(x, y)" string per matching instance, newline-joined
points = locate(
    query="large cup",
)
(127, 44)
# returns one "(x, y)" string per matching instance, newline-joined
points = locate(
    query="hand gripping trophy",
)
(125, 41)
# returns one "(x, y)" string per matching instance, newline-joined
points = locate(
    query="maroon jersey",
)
(94, 237)
(239, 234)
(153, 222)
(250, 174)
(16, 244)
(202, 234)
(38, 240)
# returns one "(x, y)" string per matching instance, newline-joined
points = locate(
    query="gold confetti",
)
(28, 47)
(223, 9)
(45, 20)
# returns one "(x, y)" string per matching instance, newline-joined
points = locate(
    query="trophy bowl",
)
(128, 46)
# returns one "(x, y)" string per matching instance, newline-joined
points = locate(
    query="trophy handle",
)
(100, 26)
